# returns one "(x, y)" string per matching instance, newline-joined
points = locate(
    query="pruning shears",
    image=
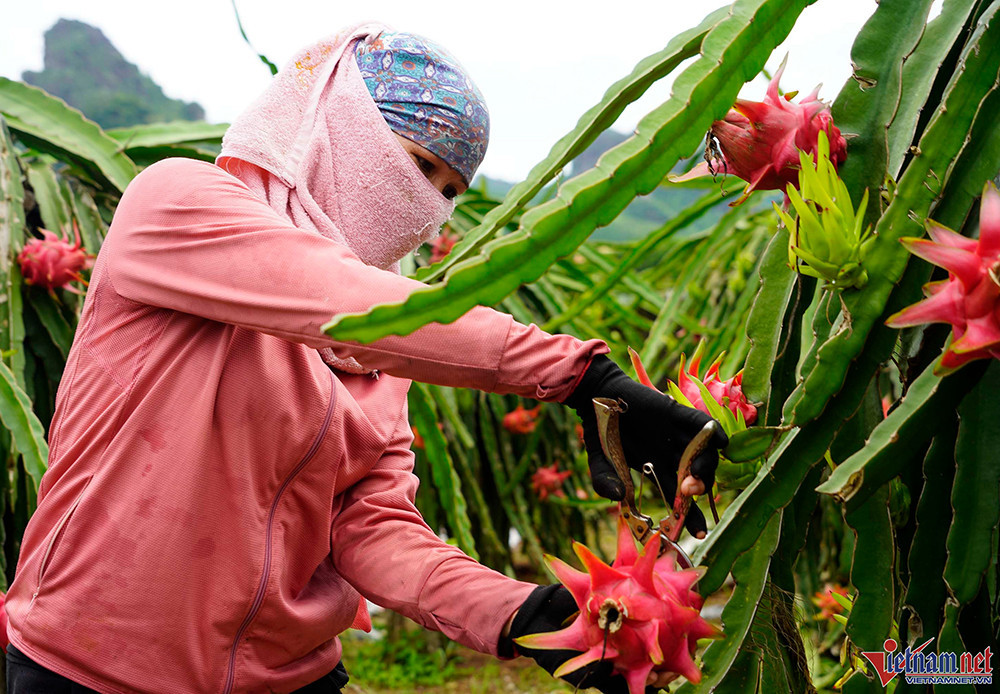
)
(641, 525)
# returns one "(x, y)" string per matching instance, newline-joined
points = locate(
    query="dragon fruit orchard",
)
(639, 613)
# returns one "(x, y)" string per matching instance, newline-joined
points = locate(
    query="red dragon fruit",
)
(548, 480)
(970, 298)
(728, 393)
(442, 245)
(759, 141)
(639, 613)
(722, 400)
(520, 420)
(53, 263)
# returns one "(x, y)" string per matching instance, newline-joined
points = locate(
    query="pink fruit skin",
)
(548, 480)
(660, 624)
(969, 299)
(520, 420)
(727, 393)
(760, 140)
(52, 263)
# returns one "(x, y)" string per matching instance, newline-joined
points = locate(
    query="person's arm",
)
(383, 547)
(189, 237)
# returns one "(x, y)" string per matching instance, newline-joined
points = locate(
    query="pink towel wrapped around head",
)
(323, 156)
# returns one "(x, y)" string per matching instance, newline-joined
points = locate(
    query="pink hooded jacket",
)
(218, 499)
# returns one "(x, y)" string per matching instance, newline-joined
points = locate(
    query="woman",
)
(225, 482)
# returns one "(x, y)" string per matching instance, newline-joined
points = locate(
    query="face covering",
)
(337, 167)
(325, 159)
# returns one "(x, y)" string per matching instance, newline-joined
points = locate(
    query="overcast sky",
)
(539, 64)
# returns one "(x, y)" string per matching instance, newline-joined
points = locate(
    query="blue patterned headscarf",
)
(426, 96)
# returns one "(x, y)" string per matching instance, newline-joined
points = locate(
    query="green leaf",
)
(780, 477)
(750, 577)
(868, 102)
(146, 156)
(871, 572)
(920, 70)
(50, 125)
(51, 197)
(732, 52)
(636, 256)
(595, 121)
(446, 480)
(270, 66)
(926, 591)
(974, 494)
(12, 231)
(92, 227)
(25, 429)
(907, 428)
(764, 326)
(53, 320)
(173, 133)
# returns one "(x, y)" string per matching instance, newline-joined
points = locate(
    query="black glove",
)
(655, 429)
(548, 608)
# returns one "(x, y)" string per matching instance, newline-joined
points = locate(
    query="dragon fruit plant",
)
(640, 613)
(52, 262)
(759, 141)
(969, 299)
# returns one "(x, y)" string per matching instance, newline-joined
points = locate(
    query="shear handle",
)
(607, 411)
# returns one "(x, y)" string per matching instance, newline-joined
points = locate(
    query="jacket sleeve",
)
(383, 547)
(188, 236)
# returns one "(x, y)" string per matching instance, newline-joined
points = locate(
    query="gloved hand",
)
(548, 608)
(655, 429)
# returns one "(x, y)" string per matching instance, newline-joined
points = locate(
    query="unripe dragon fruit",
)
(639, 613)
(53, 263)
(970, 298)
(759, 141)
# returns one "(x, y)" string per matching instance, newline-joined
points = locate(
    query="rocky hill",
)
(87, 71)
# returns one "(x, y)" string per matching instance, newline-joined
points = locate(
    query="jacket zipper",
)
(259, 597)
(56, 532)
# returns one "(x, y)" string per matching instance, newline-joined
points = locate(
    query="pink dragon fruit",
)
(548, 480)
(639, 613)
(520, 420)
(759, 141)
(442, 245)
(970, 298)
(53, 263)
(728, 393)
